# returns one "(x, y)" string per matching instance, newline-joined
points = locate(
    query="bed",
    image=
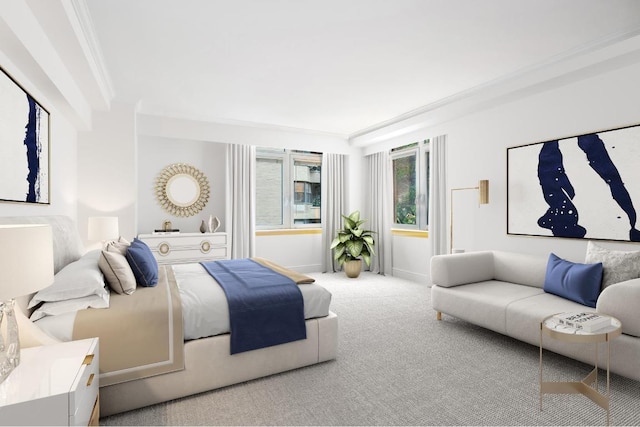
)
(198, 343)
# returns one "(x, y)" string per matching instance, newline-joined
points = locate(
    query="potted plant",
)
(353, 244)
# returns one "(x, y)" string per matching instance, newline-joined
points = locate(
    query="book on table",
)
(586, 321)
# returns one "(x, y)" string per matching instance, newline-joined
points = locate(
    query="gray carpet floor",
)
(398, 365)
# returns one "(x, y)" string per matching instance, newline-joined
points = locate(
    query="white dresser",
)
(53, 385)
(180, 248)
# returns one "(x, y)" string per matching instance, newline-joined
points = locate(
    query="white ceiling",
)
(337, 66)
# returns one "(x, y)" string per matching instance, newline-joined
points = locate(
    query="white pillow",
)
(69, 306)
(79, 279)
(618, 266)
(117, 272)
(121, 245)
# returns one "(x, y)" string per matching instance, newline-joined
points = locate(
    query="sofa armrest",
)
(459, 269)
(621, 300)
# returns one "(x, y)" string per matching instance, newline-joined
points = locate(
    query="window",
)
(287, 188)
(410, 168)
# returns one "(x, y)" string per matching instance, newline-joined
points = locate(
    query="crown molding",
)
(78, 14)
(545, 71)
(146, 109)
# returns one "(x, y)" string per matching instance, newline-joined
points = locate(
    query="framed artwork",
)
(24, 145)
(585, 187)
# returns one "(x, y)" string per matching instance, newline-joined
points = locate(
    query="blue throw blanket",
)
(265, 307)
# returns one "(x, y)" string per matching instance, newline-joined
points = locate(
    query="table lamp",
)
(26, 261)
(103, 228)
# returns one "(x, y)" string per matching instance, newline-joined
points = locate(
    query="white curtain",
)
(438, 196)
(241, 195)
(378, 209)
(334, 203)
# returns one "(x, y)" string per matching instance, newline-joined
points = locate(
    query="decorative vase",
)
(203, 227)
(10, 343)
(352, 268)
(214, 223)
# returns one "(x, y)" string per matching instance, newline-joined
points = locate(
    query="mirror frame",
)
(168, 202)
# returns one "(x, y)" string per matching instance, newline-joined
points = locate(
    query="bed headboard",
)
(67, 245)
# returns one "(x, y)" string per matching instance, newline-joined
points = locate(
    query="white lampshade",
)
(103, 228)
(26, 259)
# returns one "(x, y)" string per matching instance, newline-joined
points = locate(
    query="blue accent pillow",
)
(576, 282)
(143, 263)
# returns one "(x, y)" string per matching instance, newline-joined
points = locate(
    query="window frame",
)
(289, 159)
(422, 152)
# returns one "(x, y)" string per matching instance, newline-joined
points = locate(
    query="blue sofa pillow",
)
(576, 282)
(143, 264)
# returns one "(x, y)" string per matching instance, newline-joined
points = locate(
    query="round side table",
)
(588, 387)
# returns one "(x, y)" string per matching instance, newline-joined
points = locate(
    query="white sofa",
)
(503, 291)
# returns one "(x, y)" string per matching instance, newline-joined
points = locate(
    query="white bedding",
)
(204, 306)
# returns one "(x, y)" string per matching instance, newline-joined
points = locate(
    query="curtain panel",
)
(241, 194)
(438, 196)
(378, 209)
(334, 203)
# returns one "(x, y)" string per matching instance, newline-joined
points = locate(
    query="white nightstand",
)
(179, 248)
(53, 385)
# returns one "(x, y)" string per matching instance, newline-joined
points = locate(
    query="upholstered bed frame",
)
(208, 364)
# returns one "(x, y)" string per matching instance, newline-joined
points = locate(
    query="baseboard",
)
(409, 275)
(311, 268)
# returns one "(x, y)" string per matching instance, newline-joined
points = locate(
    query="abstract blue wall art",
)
(585, 187)
(24, 145)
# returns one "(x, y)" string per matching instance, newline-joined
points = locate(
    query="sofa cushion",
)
(574, 281)
(523, 323)
(483, 303)
(618, 266)
(522, 269)
(460, 269)
(524, 316)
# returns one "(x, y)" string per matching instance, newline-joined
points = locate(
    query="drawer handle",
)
(90, 380)
(88, 359)
(164, 248)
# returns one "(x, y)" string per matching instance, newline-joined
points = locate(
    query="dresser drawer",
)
(193, 255)
(85, 389)
(183, 248)
(196, 240)
(84, 413)
(54, 384)
(95, 414)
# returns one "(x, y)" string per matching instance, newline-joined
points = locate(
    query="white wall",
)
(165, 140)
(96, 172)
(155, 153)
(477, 146)
(107, 164)
(301, 252)
(410, 255)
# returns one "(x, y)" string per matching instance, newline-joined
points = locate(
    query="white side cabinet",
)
(180, 248)
(53, 385)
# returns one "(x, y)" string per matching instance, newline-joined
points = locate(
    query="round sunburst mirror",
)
(182, 189)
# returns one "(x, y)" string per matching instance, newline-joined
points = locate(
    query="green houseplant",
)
(353, 244)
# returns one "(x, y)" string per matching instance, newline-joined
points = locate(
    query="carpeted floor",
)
(397, 365)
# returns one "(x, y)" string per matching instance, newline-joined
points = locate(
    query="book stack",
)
(587, 321)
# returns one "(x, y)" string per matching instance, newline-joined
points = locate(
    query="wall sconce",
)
(483, 199)
(103, 228)
(26, 262)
